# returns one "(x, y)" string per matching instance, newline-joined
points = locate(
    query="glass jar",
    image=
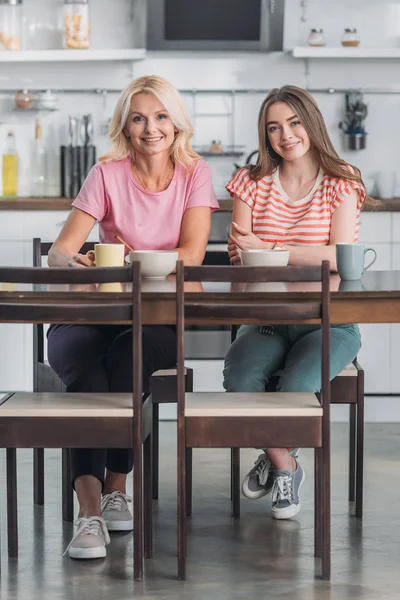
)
(76, 24)
(11, 24)
(350, 37)
(316, 37)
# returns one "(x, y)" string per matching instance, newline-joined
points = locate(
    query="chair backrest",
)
(292, 310)
(49, 309)
(41, 249)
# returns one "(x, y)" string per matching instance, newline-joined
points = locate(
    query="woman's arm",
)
(74, 234)
(343, 228)
(242, 237)
(195, 230)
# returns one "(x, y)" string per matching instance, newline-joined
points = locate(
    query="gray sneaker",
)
(90, 539)
(115, 511)
(285, 493)
(260, 480)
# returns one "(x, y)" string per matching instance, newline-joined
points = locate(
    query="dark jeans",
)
(98, 358)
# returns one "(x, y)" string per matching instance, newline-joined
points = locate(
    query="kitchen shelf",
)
(72, 55)
(344, 52)
(33, 109)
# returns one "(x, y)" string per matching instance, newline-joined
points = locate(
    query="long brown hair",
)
(306, 108)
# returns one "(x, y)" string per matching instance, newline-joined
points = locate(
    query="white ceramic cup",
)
(109, 255)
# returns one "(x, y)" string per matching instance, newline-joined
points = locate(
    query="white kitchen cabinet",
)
(17, 230)
(375, 354)
(375, 227)
(395, 337)
(396, 228)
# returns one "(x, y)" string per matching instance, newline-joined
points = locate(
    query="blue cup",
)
(350, 260)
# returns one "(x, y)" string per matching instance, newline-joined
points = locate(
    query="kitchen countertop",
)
(56, 203)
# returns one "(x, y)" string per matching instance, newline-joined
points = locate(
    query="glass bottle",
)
(350, 37)
(76, 24)
(316, 37)
(10, 167)
(38, 163)
(11, 24)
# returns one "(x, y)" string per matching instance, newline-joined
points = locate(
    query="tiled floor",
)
(253, 558)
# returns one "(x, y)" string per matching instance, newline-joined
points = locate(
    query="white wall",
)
(377, 22)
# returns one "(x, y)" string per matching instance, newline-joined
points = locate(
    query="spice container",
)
(316, 37)
(11, 23)
(23, 99)
(76, 24)
(350, 37)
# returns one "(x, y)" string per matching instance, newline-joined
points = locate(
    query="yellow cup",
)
(109, 255)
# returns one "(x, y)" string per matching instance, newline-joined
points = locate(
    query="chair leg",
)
(138, 512)
(235, 486)
(67, 490)
(181, 506)
(38, 476)
(12, 508)
(326, 512)
(352, 452)
(155, 450)
(147, 498)
(360, 454)
(189, 480)
(317, 503)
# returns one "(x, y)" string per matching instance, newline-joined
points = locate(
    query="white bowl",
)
(155, 264)
(265, 258)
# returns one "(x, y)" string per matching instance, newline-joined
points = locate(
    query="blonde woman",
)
(302, 196)
(155, 192)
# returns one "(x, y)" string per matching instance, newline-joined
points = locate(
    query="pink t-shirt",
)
(145, 220)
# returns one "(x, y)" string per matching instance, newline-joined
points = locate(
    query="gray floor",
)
(255, 557)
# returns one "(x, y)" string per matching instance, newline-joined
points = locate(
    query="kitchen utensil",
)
(121, 241)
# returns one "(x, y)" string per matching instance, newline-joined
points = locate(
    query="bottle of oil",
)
(38, 163)
(10, 167)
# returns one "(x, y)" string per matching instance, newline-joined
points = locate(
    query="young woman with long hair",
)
(302, 196)
(155, 192)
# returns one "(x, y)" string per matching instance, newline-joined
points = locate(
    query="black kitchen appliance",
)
(216, 25)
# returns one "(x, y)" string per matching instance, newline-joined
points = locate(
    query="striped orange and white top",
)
(276, 218)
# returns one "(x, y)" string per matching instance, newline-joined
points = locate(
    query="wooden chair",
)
(163, 390)
(234, 420)
(53, 420)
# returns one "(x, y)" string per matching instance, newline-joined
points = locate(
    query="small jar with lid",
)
(350, 37)
(316, 37)
(11, 24)
(76, 24)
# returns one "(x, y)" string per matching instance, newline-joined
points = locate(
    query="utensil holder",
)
(355, 141)
(76, 162)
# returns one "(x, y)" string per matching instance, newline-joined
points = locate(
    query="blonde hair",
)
(306, 108)
(182, 152)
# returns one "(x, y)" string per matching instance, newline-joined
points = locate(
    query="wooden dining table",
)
(373, 299)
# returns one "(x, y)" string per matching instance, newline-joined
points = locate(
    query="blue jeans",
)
(254, 357)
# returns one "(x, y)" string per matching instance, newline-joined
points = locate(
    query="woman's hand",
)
(246, 240)
(82, 260)
(233, 253)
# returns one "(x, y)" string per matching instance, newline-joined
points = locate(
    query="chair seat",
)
(349, 371)
(166, 373)
(276, 404)
(31, 404)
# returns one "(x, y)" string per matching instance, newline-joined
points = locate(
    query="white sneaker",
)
(90, 539)
(115, 511)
